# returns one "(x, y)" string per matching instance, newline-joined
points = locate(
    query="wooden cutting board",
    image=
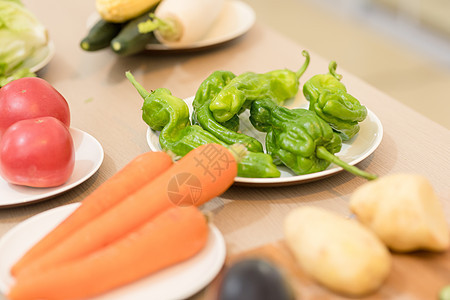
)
(417, 276)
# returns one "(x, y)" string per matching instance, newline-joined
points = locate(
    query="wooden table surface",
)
(104, 104)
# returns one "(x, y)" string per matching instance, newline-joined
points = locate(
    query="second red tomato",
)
(37, 152)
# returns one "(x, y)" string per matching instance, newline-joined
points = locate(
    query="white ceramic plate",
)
(177, 282)
(88, 158)
(236, 19)
(41, 58)
(352, 152)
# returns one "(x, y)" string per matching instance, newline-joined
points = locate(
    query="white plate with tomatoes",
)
(88, 158)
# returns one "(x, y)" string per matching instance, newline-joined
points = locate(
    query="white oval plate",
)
(88, 158)
(354, 151)
(177, 282)
(235, 19)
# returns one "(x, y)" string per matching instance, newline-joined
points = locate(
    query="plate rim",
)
(55, 191)
(297, 179)
(61, 212)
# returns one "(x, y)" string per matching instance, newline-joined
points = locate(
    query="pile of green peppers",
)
(202, 115)
(170, 115)
(299, 139)
(237, 95)
(304, 140)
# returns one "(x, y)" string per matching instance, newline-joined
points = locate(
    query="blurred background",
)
(401, 47)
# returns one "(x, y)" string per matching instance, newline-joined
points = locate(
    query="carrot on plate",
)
(204, 173)
(138, 172)
(171, 237)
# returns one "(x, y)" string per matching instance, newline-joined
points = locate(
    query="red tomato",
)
(37, 152)
(29, 98)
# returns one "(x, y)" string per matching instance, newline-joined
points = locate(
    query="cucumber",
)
(100, 35)
(130, 41)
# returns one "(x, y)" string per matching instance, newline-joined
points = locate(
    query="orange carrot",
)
(201, 175)
(171, 237)
(130, 178)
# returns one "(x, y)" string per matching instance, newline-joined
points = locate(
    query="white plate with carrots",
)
(353, 151)
(177, 282)
(88, 159)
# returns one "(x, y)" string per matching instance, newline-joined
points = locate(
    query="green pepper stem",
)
(303, 68)
(324, 154)
(332, 69)
(143, 92)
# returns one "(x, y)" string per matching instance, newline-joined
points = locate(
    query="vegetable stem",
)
(143, 92)
(332, 69)
(148, 26)
(303, 68)
(239, 151)
(167, 28)
(323, 153)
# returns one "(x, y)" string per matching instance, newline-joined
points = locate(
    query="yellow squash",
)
(119, 11)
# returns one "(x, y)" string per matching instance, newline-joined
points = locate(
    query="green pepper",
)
(232, 124)
(208, 89)
(299, 138)
(170, 115)
(277, 85)
(201, 115)
(329, 99)
(316, 84)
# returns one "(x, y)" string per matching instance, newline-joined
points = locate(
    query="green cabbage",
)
(21, 35)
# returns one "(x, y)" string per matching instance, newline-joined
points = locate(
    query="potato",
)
(339, 253)
(404, 211)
